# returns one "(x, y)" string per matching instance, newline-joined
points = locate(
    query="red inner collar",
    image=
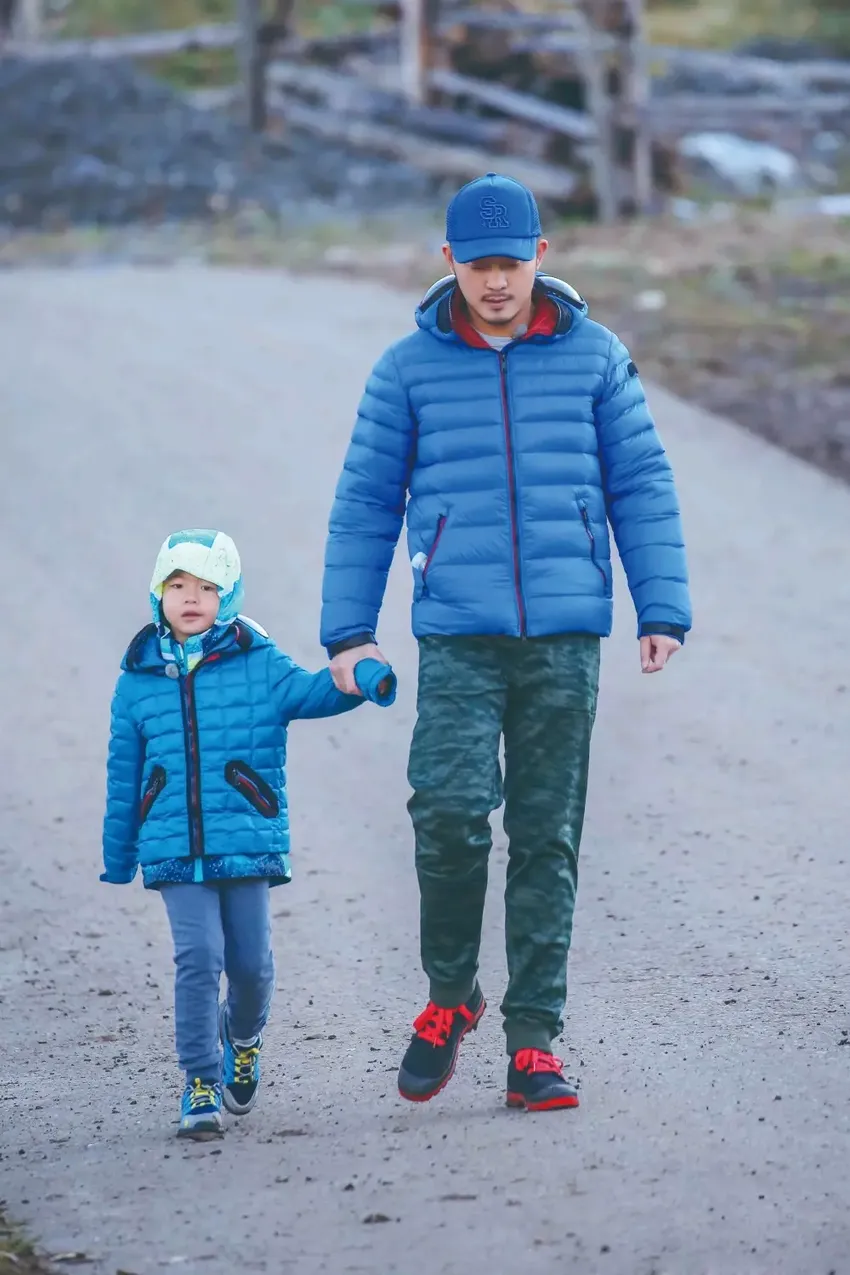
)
(544, 321)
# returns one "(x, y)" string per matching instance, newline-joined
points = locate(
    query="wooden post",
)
(636, 95)
(417, 38)
(599, 105)
(28, 21)
(252, 65)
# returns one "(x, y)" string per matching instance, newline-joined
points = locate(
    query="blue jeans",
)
(222, 927)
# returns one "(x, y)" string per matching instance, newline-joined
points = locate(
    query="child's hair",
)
(209, 555)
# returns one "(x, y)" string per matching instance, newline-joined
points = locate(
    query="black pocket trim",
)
(253, 788)
(156, 783)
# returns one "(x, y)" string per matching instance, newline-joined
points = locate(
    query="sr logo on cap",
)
(493, 214)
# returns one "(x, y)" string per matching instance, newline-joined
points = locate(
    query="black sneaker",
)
(429, 1063)
(536, 1082)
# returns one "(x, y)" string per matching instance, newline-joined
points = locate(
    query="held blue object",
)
(377, 681)
(493, 216)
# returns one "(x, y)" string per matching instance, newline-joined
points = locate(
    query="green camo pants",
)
(540, 693)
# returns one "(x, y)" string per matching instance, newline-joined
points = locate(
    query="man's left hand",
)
(655, 651)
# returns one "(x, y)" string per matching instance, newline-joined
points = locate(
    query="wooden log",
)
(739, 70)
(379, 99)
(333, 50)
(548, 115)
(151, 44)
(678, 110)
(461, 162)
(509, 21)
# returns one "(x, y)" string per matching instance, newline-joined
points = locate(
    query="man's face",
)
(497, 289)
(190, 605)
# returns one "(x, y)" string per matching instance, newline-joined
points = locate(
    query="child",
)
(196, 794)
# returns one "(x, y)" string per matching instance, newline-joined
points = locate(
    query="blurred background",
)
(691, 157)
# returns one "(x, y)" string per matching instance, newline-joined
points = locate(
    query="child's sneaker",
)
(200, 1110)
(240, 1070)
(431, 1057)
(536, 1082)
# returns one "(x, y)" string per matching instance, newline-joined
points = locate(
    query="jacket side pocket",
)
(591, 540)
(155, 785)
(253, 788)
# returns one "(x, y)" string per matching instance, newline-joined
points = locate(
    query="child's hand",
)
(118, 878)
(343, 665)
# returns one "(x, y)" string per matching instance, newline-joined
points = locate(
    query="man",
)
(511, 429)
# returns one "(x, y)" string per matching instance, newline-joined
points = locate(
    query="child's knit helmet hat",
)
(209, 555)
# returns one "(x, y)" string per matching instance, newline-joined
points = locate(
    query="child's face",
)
(189, 605)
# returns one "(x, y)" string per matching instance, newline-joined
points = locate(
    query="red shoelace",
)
(534, 1060)
(435, 1023)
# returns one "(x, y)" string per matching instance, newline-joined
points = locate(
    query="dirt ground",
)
(708, 1012)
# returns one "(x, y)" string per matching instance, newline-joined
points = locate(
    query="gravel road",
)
(710, 971)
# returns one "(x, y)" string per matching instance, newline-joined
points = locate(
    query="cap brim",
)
(477, 249)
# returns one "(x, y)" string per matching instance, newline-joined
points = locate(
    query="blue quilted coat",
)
(509, 467)
(196, 773)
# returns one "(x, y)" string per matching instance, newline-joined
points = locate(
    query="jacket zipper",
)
(503, 376)
(585, 517)
(441, 523)
(191, 745)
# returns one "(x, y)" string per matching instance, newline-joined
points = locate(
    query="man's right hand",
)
(342, 666)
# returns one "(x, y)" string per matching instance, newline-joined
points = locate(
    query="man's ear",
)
(450, 261)
(542, 245)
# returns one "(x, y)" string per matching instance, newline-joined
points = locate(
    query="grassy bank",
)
(17, 1254)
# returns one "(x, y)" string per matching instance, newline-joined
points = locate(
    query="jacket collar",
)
(544, 321)
(144, 654)
(435, 312)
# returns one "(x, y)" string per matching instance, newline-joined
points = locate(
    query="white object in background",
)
(753, 168)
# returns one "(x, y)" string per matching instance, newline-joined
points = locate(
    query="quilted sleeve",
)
(299, 693)
(123, 781)
(368, 510)
(641, 499)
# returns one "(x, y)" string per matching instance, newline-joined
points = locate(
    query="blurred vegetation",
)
(725, 23)
(703, 23)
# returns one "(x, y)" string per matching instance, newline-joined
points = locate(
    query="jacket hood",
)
(434, 312)
(144, 654)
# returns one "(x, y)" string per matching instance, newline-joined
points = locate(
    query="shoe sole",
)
(202, 1133)
(235, 1108)
(432, 1093)
(519, 1103)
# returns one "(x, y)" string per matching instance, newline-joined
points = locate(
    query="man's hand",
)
(655, 651)
(342, 666)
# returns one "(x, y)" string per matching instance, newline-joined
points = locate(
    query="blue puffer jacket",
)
(196, 773)
(514, 463)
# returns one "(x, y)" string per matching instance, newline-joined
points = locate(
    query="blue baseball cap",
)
(493, 216)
